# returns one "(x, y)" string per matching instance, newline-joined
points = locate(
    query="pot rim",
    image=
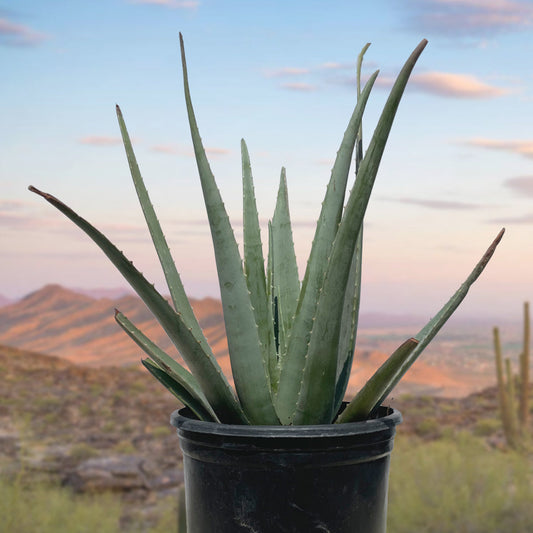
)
(183, 419)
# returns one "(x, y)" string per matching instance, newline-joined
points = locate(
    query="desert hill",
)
(81, 329)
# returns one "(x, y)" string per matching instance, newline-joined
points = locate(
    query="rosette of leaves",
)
(291, 344)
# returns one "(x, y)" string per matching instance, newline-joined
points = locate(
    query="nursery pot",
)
(298, 479)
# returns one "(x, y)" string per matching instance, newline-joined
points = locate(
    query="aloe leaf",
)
(315, 402)
(254, 269)
(327, 225)
(196, 354)
(168, 365)
(249, 372)
(270, 266)
(286, 282)
(179, 391)
(273, 302)
(349, 321)
(364, 403)
(352, 296)
(317, 394)
(175, 286)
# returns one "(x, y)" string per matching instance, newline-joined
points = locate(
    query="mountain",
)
(61, 322)
(82, 329)
(104, 293)
(4, 300)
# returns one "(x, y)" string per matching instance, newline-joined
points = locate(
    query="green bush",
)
(459, 486)
(487, 426)
(428, 427)
(46, 509)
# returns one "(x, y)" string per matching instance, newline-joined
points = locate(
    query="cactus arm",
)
(502, 390)
(330, 216)
(320, 366)
(178, 391)
(175, 286)
(376, 386)
(504, 399)
(254, 269)
(286, 281)
(423, 337)
(524, 371)
(199, 359)
(184, 379)
(249, 372)
(511, 394)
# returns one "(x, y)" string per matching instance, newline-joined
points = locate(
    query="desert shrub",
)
(162, 431)
(124, 446)
(428, 427)
(459, 486)
(82, 450)
(487, 426)
(49, 509)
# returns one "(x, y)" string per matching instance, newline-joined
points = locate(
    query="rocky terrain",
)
(89, 429)
(107, 429)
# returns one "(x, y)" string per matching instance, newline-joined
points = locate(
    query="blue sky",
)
(458, 167)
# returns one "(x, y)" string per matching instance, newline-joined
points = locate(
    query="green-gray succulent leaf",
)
(352, 297)
(167, 364)
(254, 269)
(398, 367)
(286, 281)
(250, 373)
(197, 354)
(327, 226)
(175, 286)
(349, 321)
(365, 401)
(320, 365)
(178, 391)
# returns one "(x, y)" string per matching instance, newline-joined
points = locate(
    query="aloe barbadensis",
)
(291, 345)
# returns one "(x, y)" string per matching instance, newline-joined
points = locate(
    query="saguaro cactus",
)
(524, 370)
(515, 421)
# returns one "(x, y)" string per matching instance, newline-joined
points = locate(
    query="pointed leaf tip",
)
(45, 195)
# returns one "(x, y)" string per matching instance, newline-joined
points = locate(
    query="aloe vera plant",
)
(291, 344)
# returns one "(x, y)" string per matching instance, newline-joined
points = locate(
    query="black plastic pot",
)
(300, 479)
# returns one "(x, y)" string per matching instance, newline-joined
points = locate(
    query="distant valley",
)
(81, 328)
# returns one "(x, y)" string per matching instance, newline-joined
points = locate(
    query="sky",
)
(457, 168)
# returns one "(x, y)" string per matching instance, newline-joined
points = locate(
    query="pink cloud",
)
(332, 65)
(456, 85)
(12, 34)
(471, 16)
(299, 86)
(439, 204)
(325, 162)
(173, 149)
(100, 140)
(524, 148)
(523, 185)
(287, 72)
(170, 149)
(214, 151)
